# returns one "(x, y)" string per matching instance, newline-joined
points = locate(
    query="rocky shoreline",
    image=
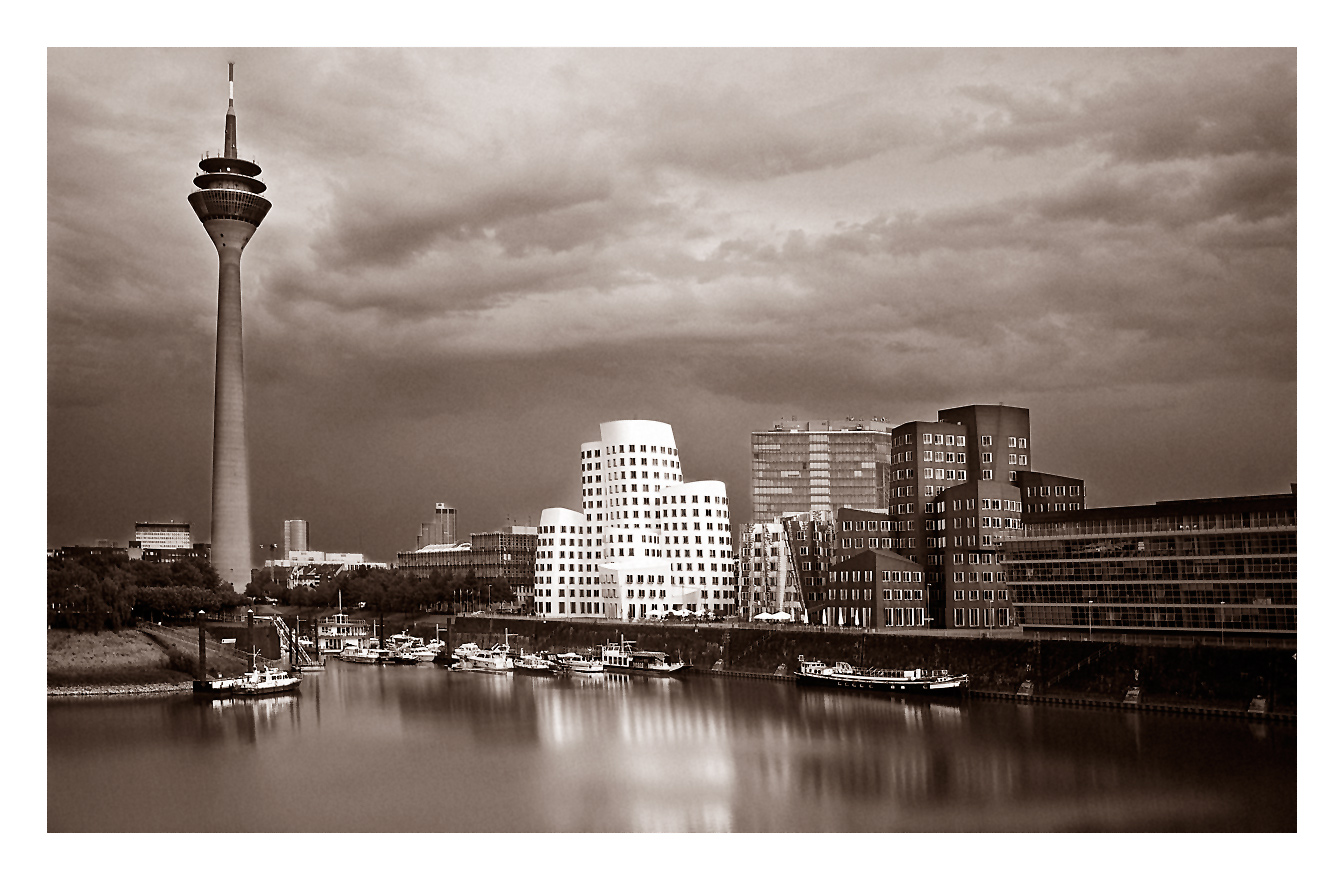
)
(119, 690)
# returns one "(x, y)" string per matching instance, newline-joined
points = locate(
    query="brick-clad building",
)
(874, 589)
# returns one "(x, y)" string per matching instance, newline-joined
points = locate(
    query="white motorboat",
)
(365, 655)
(577, 663)
(265, 681)
(495, 660)
(535, 664)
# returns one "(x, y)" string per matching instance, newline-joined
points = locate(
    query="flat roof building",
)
(509, 554)
(1212, 568)
(805, 466)
(168, 535)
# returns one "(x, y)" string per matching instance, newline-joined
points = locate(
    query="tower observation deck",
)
(230, 205)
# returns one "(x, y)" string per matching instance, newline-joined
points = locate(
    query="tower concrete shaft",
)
(229, 204)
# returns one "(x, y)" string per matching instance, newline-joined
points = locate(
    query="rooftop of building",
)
(442, 548)
(1178, 507)
(830, 426)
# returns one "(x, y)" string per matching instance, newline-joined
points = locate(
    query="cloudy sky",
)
(475, 257)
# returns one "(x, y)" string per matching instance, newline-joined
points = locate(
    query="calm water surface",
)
(367, 748)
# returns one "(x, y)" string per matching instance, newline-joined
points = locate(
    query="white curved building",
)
(644, 540)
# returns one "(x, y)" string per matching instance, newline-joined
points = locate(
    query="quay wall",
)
(1203, 675)
(264, 637)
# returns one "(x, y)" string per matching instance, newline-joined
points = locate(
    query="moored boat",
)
(576, 663)
(535, 664)
(215, 687)
(264, 681)
(426, 652)
(909, 681)
(495, 660)
(371, 654)
(620, 656)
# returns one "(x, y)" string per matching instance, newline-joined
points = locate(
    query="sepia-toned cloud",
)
(477, 256)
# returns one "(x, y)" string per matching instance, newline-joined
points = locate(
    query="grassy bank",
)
(126, 657)
(98, 658)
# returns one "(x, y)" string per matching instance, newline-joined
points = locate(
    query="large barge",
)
(930, 682)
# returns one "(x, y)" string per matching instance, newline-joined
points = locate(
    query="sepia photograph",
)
(671, 440)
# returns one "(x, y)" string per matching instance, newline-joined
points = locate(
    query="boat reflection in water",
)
(443, 751)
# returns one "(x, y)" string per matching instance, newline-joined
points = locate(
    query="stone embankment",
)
(119, 690)
(1205, 677)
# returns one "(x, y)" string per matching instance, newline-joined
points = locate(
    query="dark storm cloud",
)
(730, 132)
(406, 215)
(476, 257)
(1160, 111)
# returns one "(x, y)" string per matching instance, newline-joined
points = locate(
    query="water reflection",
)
(430, 749)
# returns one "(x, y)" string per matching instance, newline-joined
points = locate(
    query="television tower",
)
(229, 204)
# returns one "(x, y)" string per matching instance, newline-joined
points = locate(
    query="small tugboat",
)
(266, 681)
(910, 681)
(620, 656)
(575, 663)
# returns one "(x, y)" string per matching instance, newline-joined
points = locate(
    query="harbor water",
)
(396, 748)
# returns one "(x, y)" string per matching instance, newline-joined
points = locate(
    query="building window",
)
(986, 440)
(958, 617)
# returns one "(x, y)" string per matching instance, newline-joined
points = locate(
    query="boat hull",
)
(585, 669)
(489, 663)
(215, 688)
(265, 690)
(952, 686)
(652, 671)
(473, 667)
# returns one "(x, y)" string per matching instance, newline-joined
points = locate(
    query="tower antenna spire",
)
(230, 124)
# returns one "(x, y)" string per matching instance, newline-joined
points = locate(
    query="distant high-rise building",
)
(442, 529)
(645, 542)
(229, 203)
(168, 535)
(296, 536)
(807, 466)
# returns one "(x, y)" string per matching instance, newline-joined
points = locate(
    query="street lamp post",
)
(1089, 619)
(1222, 617)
